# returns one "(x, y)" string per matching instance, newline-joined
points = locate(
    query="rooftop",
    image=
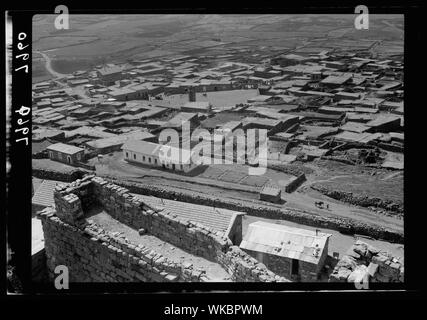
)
(284, 241)
(64, 148)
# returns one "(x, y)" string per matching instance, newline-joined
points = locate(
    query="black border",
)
(19, 197)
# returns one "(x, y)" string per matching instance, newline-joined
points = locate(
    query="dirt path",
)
(306, 202)
(338, 242)
(48, 66)
(296, 200)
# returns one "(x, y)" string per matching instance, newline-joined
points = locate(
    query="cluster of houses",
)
(312, 106)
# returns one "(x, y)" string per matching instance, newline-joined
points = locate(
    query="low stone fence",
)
(58, 175)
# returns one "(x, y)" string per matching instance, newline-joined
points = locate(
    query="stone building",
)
(65, 153)
(270, 194)
(109, 74)
(293, 253)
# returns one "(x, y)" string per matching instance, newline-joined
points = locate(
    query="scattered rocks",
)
(365, 261)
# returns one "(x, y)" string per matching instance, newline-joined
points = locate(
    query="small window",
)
(134, 156)
(127, 155)
(143, 158)
(155, 161)
(180, 166)
(149, 160)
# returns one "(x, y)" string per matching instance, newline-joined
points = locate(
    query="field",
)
(39, 71)
(360, 183)
(121, 37)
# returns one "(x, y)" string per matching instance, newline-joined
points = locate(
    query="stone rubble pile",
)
(363, 261)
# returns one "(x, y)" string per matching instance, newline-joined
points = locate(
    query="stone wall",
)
(235, 230)
(38, 266)
(345, 225)
(95, 255)
(92, 254)
(394, 207)
(190, 236)
(243, 267)
(295, 183)
(49, 174)
(363, 260)
(307, 272)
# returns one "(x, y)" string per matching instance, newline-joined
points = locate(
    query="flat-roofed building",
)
(197, 106)
(158, 155)
(109, 74)
(294, 253)
(110, 144)
(335, 81)
(65, 153)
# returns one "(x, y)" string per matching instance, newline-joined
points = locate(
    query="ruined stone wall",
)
(190, 236)
(94, 255)
(282, 266)
(48, 174)
(363, 260)
(243, 267)
(345, 225)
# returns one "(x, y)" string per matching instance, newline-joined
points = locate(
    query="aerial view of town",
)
(218, 148)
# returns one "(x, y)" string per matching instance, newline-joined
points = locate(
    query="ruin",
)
(94, 254)
(364, 261)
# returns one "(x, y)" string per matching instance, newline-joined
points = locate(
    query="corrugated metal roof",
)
(284, 241)
(216, 218)
(43, 193)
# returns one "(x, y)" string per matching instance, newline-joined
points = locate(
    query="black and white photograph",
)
(223, 149)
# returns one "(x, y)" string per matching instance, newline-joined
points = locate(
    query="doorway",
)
(68, 159)
(295, 267)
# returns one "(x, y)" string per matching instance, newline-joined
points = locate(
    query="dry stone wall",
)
(243, 267)
(345, 225)
(363, 260)
(92, 254)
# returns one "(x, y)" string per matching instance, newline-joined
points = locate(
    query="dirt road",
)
(48, 66)
(115, 166)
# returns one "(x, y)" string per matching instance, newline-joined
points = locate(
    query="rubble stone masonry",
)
(363, 260)
(92, 254)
